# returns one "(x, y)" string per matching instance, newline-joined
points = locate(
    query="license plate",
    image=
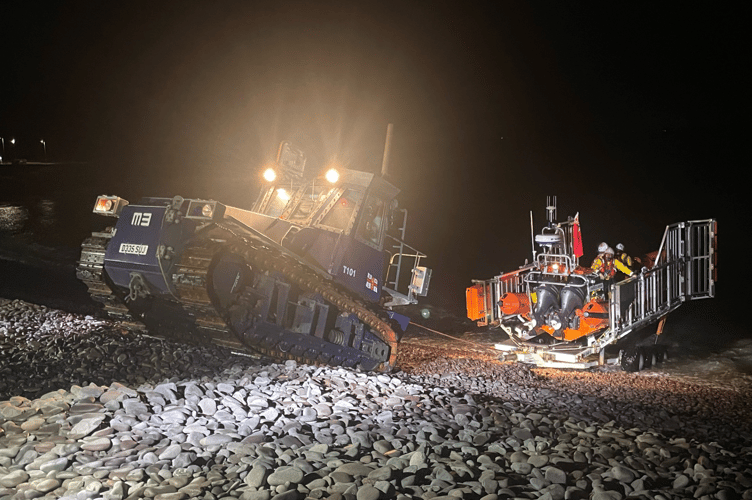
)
(133, 249)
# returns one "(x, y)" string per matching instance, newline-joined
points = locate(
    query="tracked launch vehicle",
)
(560, 314)
(310, 273)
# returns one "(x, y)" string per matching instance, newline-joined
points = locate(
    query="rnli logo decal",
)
(372, 283)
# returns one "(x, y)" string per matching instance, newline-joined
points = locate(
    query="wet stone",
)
(96, 444)
(622, 474)
(45, 485)
(215, 439)
(282, 475)
(134, 408)
(257, 476)
(170, 452)
(57, 465)
(85, 426)
(556, 475)
(208, 406)
(538, 460)
(368, 492)
(13, 478)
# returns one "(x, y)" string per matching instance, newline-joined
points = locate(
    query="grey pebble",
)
(13, 478)
(187, 421)
(285, 474)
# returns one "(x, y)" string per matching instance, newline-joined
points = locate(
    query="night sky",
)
(630, 115)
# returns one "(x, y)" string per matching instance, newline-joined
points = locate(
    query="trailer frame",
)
(685, 269)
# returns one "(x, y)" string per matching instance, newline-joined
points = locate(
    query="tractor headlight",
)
(270, 175)
(201, 209)
(109, 205)
(332, 175)
(103, 205)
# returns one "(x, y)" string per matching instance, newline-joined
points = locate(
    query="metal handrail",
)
(681, 274)
(495, 288)
(399, 255)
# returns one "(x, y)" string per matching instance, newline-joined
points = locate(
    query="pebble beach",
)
(91, 411)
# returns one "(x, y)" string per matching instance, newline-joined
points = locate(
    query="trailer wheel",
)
(661, 353)
(631, 360)
(647, 354)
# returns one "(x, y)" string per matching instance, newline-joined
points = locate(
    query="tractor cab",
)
(346, 202)
(345, 223)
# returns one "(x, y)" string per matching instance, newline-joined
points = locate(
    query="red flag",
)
(577, 237)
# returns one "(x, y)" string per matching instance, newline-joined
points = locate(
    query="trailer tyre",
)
(647, 354)
(661, 354)
(631, 360)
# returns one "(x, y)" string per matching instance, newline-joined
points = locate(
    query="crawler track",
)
(193, 316)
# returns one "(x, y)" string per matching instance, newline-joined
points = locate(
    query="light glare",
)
(103, 205)
(332, 175)
(283, 194)
(270, 175)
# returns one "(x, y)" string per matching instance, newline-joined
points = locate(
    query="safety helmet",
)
(602, 247)
(620, 247)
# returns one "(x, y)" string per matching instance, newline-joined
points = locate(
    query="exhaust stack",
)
(387, 151)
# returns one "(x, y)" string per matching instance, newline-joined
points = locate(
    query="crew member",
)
(604, 262)
(623, 262)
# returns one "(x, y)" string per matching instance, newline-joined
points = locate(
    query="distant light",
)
(332, 175)
(12, 141)
(270, 175)
(283, 194)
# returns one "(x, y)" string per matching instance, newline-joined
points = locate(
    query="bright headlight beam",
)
(103, 205)
(283, 194)
(270, 175)
(332, 175)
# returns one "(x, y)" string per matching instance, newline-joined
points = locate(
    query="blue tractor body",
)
(293, 277)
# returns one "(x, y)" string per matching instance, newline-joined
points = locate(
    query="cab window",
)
(277, 203)
(309, 200)
(372, 221)
(341, 213)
